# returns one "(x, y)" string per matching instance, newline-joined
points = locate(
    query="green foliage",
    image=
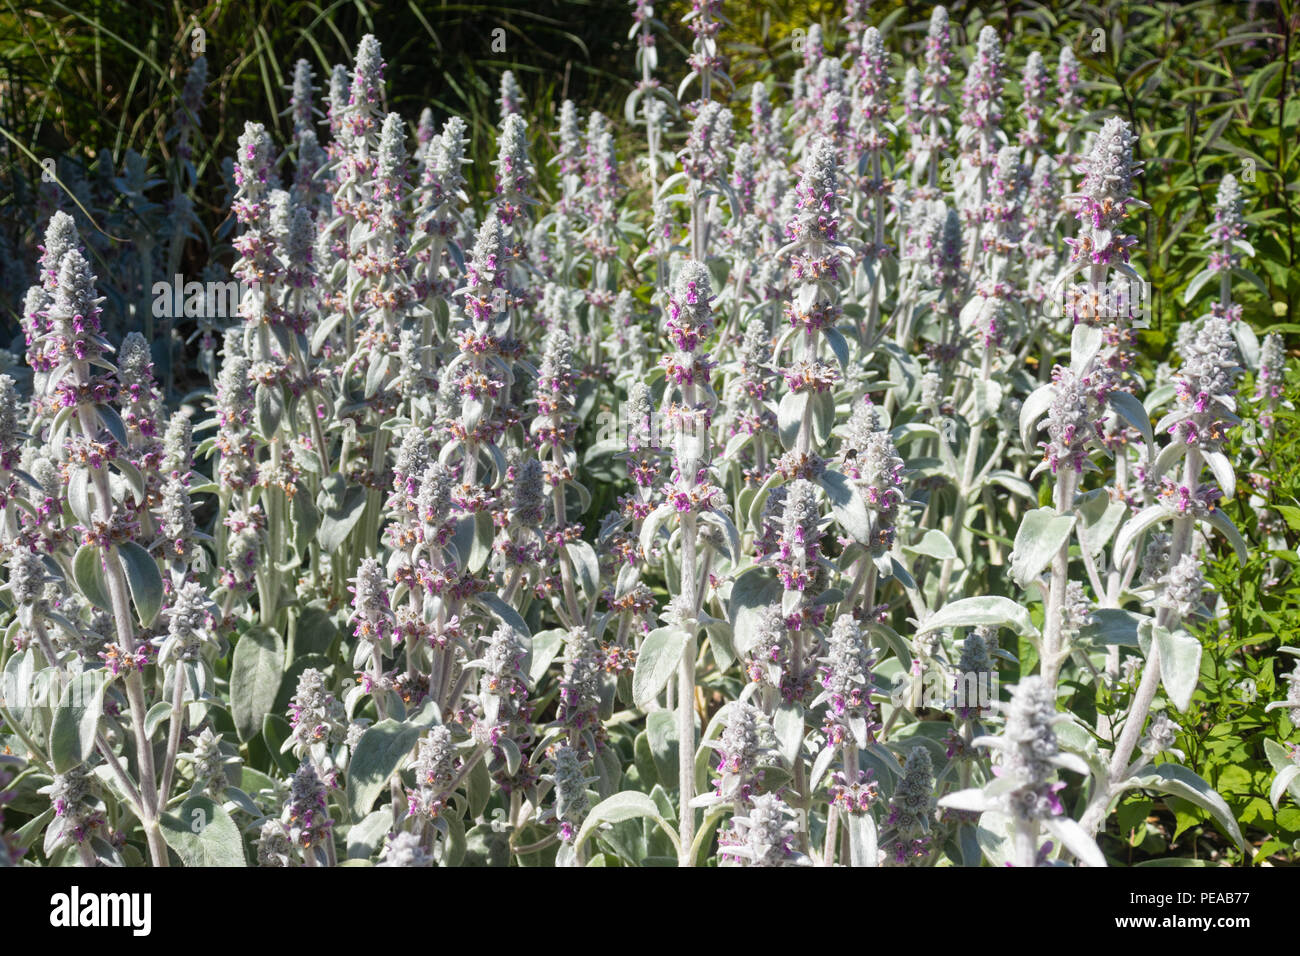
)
(1226, 727)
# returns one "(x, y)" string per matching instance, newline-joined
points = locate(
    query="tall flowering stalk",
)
(871, 105)
(705, 21)
(978, 136)
(90, 440)
(691, 495)
(851, 725)
(1081, 391)
(649, 94)
(1069, 102)
(1028, 758)
(934, 101)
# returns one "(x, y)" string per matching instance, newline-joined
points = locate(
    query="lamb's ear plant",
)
(391, 591)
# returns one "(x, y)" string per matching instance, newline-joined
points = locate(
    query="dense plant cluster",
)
(819, 509)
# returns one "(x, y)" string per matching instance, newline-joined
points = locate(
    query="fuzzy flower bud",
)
(1181, 587)
(982, 90)
(847, 684)
(514, 170)
(689, 324)
(1069, 98)
(1269, 381)
(710, 143)
(27, 579)
(78, 812)
(302, 95)
(315, 714)
(800, 535)
(912, 807)
(578, 708)
(404, 850)
(976, 672)
(765, 836)
(307, 814)
(1205, 386)
(210, 763)
(1161, 735)
(503, 687)
(571, 801)
(528, 494)
(1030, 752)
(938, 43)
(371, 612)
(747, 742)
(1105, 195)
(1033, 87)
(879, 470)
(435, 769)
(390, 169)
(273, 846)
(189, 623)
(178, 448)
(1072, 421)
(367, 90)
(511, 98)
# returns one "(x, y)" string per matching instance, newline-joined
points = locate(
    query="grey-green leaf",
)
(255, 679)
(862, 839)
(202, 834)
(1177, 780)
(661, 735)
(269, 401)
(546, 645)
(76, 719)
(503, 612)
(305, 517)
(1131, 410)
(1041, 535)
(934, 544)
(1039, 400)
(627, 805)
(750, 594)
(366, 837)
(337, 523)
(1180, 664)
(788, 723)
(378, 755)
(974, 611)
(88, 572)
(144, 579)
(1284, 781)
(789, 416)
(847, 505)
(584, 560)
(658, 658)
